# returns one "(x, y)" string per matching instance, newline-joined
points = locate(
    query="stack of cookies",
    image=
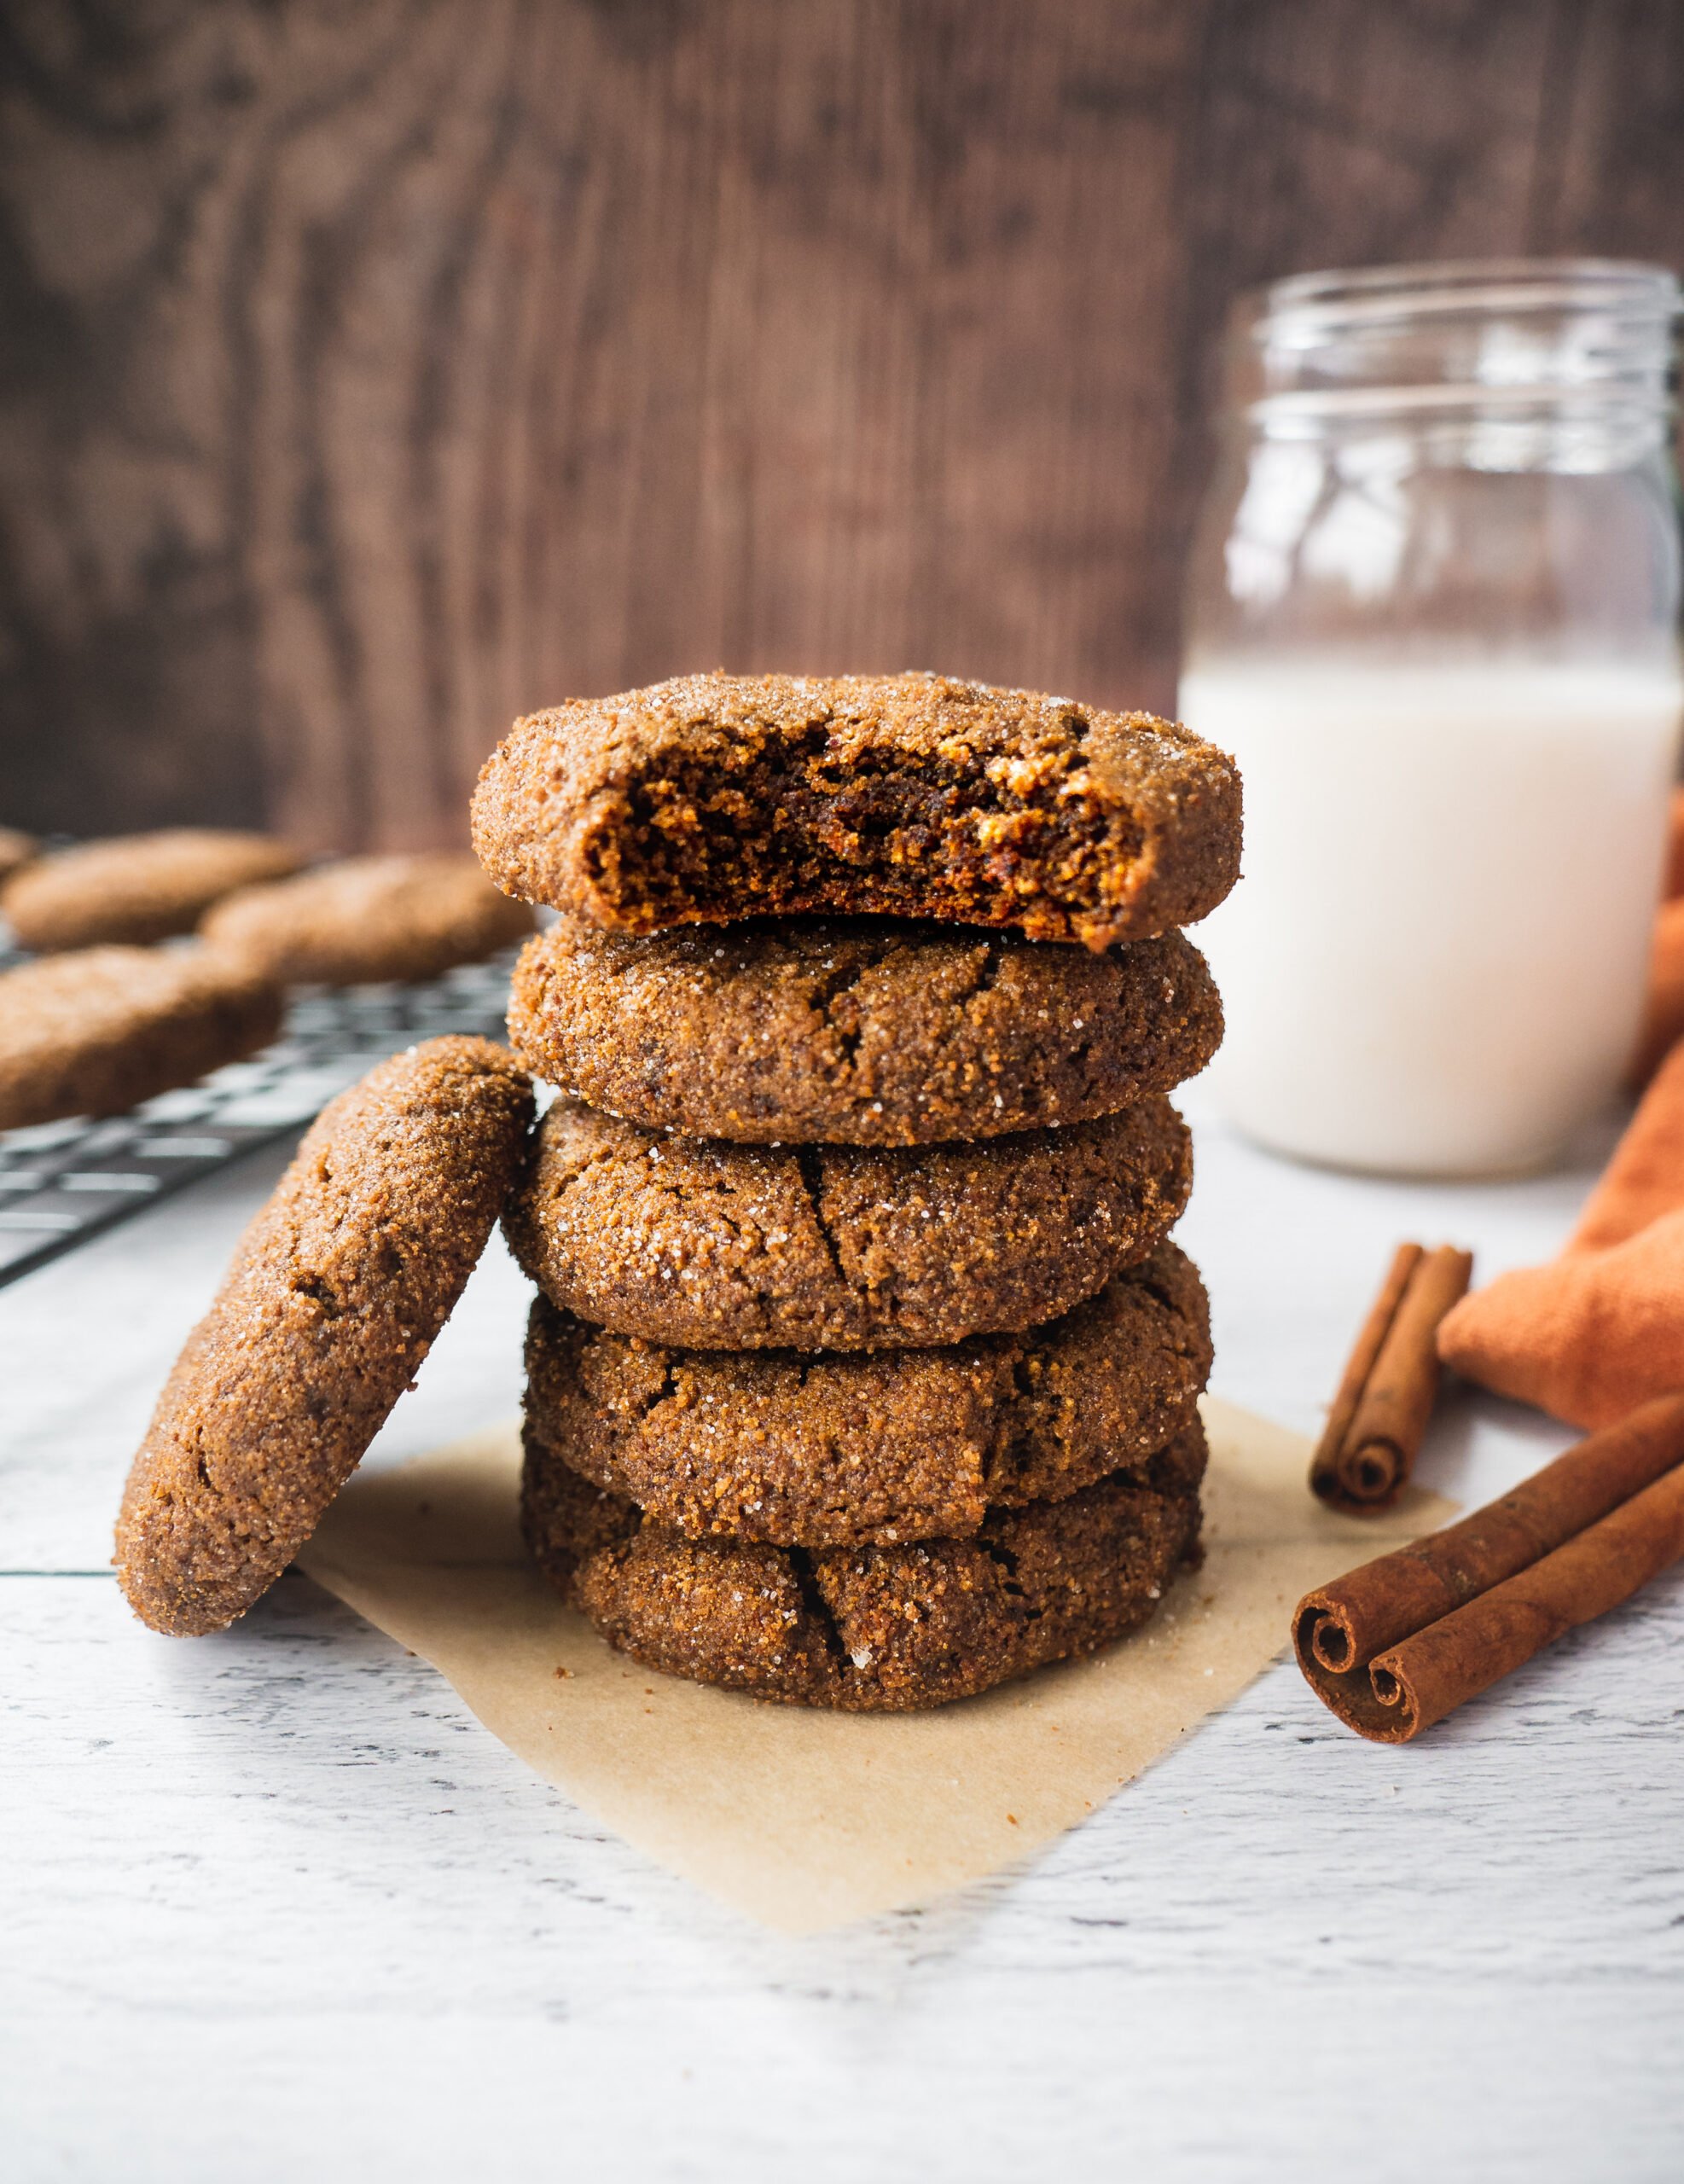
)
(864, 1374)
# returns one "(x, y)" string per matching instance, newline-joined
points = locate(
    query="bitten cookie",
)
(135, 887)
(891, 1446)
(726, 795)
(717, 1247)
(97, 1029)
(865, 1628)
(336, 1294)
(857, 1033)
(369, 918)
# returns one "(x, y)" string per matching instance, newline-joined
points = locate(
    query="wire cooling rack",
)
(63, 1182)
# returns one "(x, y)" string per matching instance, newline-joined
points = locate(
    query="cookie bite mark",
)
(717, 797)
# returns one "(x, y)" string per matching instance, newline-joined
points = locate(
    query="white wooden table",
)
(272, 1905)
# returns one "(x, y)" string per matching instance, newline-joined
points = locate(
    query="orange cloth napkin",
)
(1663, 1015)
(1675, 856)
(1663, 1011)
(1601, 1329)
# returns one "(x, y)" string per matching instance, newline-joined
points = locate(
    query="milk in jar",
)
(1435, 960)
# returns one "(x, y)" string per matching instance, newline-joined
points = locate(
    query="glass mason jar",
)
(1433, 614)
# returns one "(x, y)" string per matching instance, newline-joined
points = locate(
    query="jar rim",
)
(1484, 334)
(1311, 306)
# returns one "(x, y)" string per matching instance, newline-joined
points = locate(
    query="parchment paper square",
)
(806, 1819)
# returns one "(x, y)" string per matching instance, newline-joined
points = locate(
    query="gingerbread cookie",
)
(98, 1029)
(134, 888)
(336, 1294)
(369, 918)
(725, 796)
(16, 850)
(885, 1446)
(857, 1032)
(864, 1629)
(716, 1246)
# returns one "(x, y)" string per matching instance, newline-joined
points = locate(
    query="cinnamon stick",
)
(1324, 1469)
(1401, 1642)
(1374, 1433)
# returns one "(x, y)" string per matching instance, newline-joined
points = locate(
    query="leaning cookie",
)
(135, 887)
(880, 1447)
(866, 1629)
(336, 1294)
(716, 1246)
(97, 1029)
(726, 795)
(368, 920)
(857, 1033)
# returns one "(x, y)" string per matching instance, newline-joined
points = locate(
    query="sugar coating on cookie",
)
(715, 796)
(135, 887)
(857, 1031)
(880, 1628)
(334, 1296)
(718, 1246)
(882, 1446)
(97, 1029)
(370, 919)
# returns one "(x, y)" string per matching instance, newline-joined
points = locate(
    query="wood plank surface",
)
(370, 374)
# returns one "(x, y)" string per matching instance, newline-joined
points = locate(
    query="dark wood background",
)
(372, 369)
